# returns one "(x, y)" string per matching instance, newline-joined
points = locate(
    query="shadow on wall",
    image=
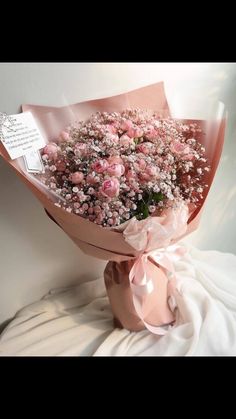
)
(25, 215)
(36, 255)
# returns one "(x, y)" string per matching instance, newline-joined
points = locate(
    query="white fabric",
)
(78, 320)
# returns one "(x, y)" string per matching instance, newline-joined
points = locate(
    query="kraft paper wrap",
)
(104, 243)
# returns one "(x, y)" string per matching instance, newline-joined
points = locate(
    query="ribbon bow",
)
(145, 236)
(142, 285)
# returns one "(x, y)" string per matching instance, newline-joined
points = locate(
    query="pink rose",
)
(140, 165)
(178, 148)
(187, 149)
(115, 160)
(145, 148)
(145, 176)
(100, 166)
(131, 132)
(111, 128)
(110, 187)
(77, 177)
(116, 169)
(152, 133)
(134, 132)
(64, 136)
(187, 154)
(182, 149)
(187, 157)
(99, 218)
(152, 171)
(149, 173)
(131, 175)
(91, 179)
(125, 125)
(51, 150)
(138, 133)
(126, 141)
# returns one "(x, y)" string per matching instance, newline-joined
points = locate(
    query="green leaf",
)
(157, 196)
(148, 198)
(142, 211)
(145, 211)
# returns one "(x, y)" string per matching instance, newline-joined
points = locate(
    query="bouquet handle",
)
(154, 307)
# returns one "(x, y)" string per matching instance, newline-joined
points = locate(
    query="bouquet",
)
(126, 183)
(117, 166)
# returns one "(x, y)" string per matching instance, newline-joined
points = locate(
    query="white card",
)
(20, 135)
(33, 162)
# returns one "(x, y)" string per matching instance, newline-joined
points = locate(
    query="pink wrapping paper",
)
(113, 245)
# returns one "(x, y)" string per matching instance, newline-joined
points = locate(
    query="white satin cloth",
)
(78, 320)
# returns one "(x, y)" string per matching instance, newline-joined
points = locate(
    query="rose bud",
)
(145, 148)
(131, 174)
(91, 179)
(76, 177)
(100, 166)
(152, 171)
(177, 147)
(114, 160)
(111, 128)
(138, 133)
(126, 141)
(151, 134)
(125, 125)
(145, 176)
(116, 170)
(134, 132)
(51, 150)
(110, 187)
(140, 165)
(64, 136)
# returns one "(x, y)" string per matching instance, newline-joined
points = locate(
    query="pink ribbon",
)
(141, 285)
(155, 233)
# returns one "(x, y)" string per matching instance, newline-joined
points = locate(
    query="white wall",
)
(35, 255)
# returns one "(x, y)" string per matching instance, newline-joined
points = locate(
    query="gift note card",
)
(20, 134)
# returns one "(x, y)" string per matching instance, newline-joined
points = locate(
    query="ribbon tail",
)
(157, 330)
(142, 286)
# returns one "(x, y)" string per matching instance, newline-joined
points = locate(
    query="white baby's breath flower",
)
(156, 188)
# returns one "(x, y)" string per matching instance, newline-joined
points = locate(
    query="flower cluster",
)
(118, 165)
